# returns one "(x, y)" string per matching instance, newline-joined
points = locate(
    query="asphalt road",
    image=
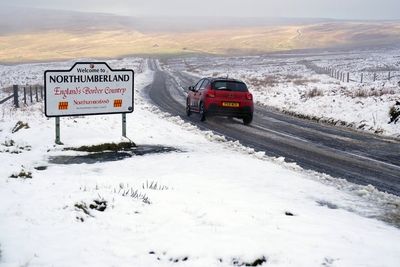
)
(360, 158)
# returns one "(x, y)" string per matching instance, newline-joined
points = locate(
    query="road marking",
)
(328, 148)
(280, 133)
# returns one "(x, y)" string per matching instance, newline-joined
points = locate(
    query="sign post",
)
(88, 88)
(123, 124)
(58, 139)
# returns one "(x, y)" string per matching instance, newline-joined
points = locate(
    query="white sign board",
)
(88, 89)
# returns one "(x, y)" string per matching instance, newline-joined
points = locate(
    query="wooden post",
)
(41, 92)
(25, 95)
(362, 77)
(30, 92)
(15, 89)
(348, 77)
(374, 77)
(37, 96)
(389, 76)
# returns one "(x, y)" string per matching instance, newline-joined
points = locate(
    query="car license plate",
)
(230, 104)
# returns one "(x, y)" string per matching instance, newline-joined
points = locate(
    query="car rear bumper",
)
(217, 110)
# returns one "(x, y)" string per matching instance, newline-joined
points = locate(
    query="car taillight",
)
(249, 96)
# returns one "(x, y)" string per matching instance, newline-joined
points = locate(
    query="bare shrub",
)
(269, 81)
(394, 113)
(290, 77)
(314, 92)
(305, 81)
(360, 93)
(300, 82)
(373, 92)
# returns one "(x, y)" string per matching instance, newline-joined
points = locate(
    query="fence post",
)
(15, 89)
(41, 92)
(389, 76)
(362, 77)
(374, 77)
(37, 96)
(348, 77)
(30, 90)
(25, 95)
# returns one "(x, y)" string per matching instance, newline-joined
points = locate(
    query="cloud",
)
(343, 9)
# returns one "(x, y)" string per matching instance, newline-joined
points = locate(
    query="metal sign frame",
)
(57, 117)
(86, 114)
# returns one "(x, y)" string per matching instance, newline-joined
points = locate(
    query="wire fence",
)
(22, 94)
(358, 77)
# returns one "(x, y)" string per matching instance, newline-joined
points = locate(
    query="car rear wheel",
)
(248, 119)
(188, 111)
(202, 112)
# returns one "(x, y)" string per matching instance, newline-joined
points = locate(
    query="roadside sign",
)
(88, 88)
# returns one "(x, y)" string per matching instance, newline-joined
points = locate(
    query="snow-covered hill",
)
(287, 83)
(216, 203)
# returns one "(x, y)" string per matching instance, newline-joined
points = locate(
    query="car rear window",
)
(230, 86)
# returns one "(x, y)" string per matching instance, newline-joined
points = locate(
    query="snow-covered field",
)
(216, 202)
(286, 82)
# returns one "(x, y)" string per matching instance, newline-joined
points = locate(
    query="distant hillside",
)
(26, 20)
(23, 20)
(40, 35)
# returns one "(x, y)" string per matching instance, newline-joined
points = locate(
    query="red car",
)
(220, 97)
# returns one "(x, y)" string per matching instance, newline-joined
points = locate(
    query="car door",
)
(201, 91)
(194, 100)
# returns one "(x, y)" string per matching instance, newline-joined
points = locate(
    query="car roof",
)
(213, 79)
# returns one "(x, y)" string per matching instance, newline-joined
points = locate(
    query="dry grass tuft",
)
(314, 93)
(373, 92)
(266, 81)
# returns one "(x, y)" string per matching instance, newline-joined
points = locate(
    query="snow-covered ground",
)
(216, 202)
(286, 82)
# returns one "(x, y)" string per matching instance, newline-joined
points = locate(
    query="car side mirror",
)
(191, 88)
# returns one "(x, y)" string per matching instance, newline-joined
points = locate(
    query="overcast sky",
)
(339, 9)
